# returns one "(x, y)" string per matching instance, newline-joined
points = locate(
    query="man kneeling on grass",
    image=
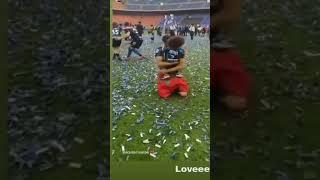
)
(170, 60)
(230, 80)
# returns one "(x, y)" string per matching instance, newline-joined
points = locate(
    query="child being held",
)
(172, 53)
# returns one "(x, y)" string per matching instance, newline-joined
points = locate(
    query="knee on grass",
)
(183, 94)
(235, 103)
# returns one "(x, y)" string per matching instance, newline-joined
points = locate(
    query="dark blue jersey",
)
(170, 55)
(135, 36)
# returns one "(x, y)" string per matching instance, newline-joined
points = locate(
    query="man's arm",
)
(228, 16)
(179, 67)
(161, 64)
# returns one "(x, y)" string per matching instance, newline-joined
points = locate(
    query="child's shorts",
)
(228, 75)
(170, 86)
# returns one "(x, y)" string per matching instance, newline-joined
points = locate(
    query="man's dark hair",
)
(114, 25)
(126, 24)
(165, 38)
(175, 42)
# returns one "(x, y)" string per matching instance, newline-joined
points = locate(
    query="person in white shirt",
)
(192, 30)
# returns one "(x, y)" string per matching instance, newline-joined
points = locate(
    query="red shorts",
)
(228, 75)
(169, 86)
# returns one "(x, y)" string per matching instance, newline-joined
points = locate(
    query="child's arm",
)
(228, 16)
(179, 67)
(161, 64)
(126, 35)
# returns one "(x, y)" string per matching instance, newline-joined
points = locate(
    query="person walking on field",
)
(192, 30)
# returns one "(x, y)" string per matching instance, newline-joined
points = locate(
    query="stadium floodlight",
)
(161, 4)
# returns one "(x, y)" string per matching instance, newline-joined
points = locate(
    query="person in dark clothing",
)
(159, 31)
(136, 42)
(186, 30)
(140, 29)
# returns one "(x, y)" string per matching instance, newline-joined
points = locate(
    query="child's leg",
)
(235, 103)
(231, 78)
(116, 53)
(183, 87)
(164, 90)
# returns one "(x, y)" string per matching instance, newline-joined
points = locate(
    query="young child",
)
(172, 53)
(151, 32)
(116, 40)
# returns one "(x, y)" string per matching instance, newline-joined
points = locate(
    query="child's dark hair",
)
(175, 42)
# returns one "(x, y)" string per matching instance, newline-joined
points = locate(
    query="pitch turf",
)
(135, 99)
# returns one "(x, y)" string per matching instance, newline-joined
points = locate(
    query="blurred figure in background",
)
(139, 28)
(192, 30)
(116, 40)
(230, 81)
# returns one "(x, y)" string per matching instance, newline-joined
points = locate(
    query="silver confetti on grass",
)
(163, 114)
(78, 140)
(75, 165)
(52, 58)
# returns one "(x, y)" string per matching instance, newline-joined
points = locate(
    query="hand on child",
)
(164, 71)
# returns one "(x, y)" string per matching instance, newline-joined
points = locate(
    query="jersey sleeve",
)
(158, 52)
(181, 53)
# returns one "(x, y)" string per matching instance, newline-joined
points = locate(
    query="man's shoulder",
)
(159, 51)
(181, 50)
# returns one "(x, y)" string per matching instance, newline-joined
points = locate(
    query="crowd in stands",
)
(161, 5)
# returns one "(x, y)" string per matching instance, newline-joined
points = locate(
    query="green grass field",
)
(262, 140)
(134, 87)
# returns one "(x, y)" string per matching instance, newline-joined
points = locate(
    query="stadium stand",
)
(150, 12)
(119, 5)
(155, 5)
(146, 19)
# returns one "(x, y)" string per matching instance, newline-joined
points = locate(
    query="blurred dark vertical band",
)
(58, 56)
(3, 93)
(212, 160)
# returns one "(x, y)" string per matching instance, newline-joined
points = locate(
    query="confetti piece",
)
(177, 145)
(186, 136)
(189, 148)
(146, 141)
(78, 140)
(75, 165)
